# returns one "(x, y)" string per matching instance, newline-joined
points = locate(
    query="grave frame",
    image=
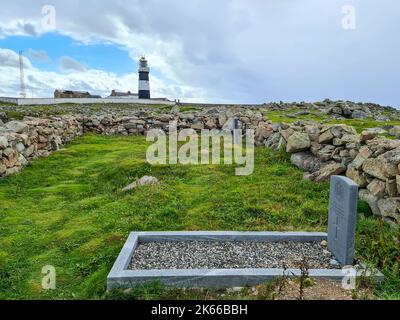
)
(121, 276)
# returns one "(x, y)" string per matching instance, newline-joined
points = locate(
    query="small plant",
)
(304, 280)
(282, 281)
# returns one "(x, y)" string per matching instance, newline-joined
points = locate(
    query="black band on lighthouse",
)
(144, 94)
(144, 76)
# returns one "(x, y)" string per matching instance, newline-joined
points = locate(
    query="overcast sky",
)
(249, 51)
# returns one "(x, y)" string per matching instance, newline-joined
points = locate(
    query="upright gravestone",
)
(237, 136)
(342, 218)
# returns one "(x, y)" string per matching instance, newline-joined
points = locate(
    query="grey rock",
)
(372, 201)
(305, 161)
(17, 126)
(358, 114)
(3, 142)
(143, 181)
(389, 208)
(298, 142)
(328, 170)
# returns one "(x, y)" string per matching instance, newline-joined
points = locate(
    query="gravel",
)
(229, 255)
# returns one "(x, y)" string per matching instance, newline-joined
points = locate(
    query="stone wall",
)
(319, 150)
(24, 141)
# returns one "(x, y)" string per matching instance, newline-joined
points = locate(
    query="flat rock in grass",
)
(143, 181)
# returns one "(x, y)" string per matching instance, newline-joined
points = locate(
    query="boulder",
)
(287, 133)
(222, 118)
(22, 160)
(380, 169)
(12, 158)
(372, 201)
(20, 147)
(365, 152)
(143, 181)
(389, 208)
(273, 141)
(329, 170)
(197, 126)
(358, 161)
(393, 156)
(325, 136)
(3, 168)
(3, 142)
(262, 133)
(298, 142)
(368, 134)
(377, 188)
(211, 123)
(358, 114)
(305, 161)
(395, 131)
(347, 138)
(391, 188)
(17, 126)
(356, 176)
(326, 152)
(341, 129)
(29, 151)
(13, 170)
(380, 145)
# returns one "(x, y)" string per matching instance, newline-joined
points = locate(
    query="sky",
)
(225, 51)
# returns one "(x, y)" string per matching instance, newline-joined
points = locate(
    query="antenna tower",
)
(22, 76)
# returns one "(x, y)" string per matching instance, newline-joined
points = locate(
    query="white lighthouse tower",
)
(144, 83)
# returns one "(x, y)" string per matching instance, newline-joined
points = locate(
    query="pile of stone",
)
(372, 161)
(24, 141)
(339, 110)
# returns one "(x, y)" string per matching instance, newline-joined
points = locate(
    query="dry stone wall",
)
(24, 141)
(320, 150)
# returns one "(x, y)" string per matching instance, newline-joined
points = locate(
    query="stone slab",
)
(342, 218)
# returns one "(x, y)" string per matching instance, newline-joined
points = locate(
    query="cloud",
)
(41, 83)
(68, 64)
(9, 58)
(239, 51)
(38, 55)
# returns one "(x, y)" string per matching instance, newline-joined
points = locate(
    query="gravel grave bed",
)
(229, 255)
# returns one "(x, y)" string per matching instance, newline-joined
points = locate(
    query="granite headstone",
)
(342, 218)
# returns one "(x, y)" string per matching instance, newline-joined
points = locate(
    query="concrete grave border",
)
(121, 277)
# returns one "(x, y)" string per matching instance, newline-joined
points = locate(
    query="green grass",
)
(68, 211)
(317, 116)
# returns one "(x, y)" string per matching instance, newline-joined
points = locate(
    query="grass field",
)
(68, 211)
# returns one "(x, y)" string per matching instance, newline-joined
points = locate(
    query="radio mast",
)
(22, 76)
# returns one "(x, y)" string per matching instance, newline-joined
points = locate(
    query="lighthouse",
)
(144, 84)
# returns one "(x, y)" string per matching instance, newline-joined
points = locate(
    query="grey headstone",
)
(237, 136)
(342, 218)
